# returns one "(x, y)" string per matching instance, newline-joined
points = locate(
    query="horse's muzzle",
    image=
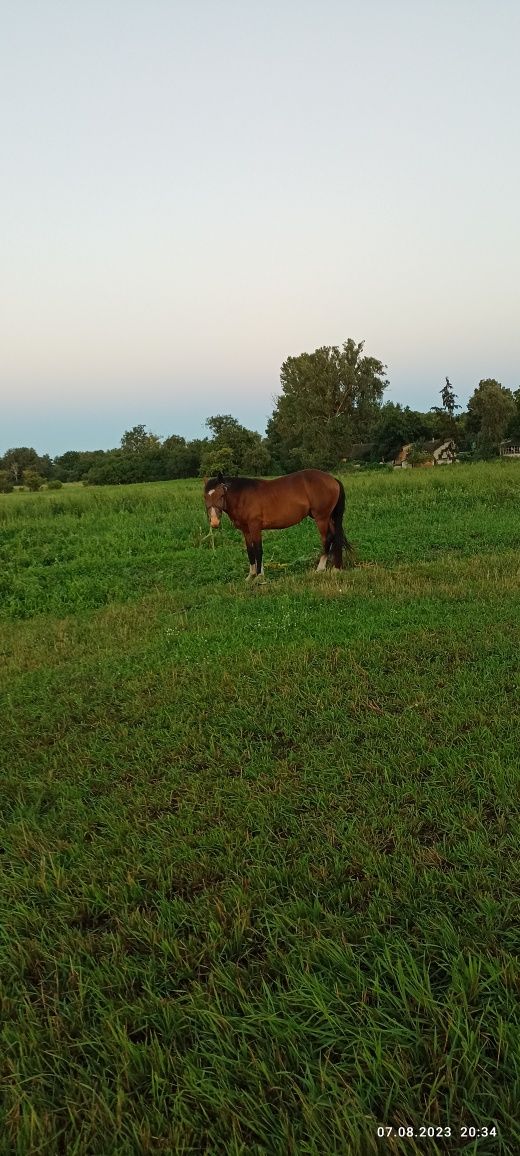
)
(214, 520)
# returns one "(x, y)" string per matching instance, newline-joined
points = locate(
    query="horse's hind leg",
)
(259, 559)
(322, 564)
(324, 528)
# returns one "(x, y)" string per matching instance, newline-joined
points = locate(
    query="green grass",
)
(259, 857)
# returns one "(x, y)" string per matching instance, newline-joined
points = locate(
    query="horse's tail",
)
(339, 541)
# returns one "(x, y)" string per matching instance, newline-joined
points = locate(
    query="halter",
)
(220, 509)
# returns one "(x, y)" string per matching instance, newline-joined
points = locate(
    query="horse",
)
(253, 505)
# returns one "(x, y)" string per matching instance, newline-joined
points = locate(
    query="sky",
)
(193, 190)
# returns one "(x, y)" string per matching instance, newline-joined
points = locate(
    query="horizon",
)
(194, 194)
(202, 432)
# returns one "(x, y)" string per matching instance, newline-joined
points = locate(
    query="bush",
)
(418, 457)
(54, 484)
(32, 480)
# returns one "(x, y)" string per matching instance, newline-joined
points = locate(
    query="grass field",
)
(259, 859)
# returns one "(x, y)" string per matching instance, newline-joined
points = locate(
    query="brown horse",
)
(254, 505)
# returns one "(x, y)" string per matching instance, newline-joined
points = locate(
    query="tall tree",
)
(491, 409)
(329, 399)
(448, 398)
(446, 424)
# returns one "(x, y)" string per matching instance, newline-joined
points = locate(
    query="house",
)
(441, 452)
(400, 461)
(510, 449)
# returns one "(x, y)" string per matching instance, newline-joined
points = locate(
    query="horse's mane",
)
(235, 484)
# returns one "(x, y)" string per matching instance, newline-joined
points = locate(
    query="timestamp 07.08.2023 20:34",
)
(437, 1131)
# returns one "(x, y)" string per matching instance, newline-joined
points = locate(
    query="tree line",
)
(331, 402)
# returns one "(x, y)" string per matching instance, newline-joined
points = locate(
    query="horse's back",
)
(313, 478)
(317, 485)
(286, 500)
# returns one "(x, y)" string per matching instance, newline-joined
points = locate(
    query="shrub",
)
(418, 457)
(32, 480)
(54, 484)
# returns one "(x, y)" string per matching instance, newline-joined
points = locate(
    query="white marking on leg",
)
(322, 564)
(252, 572)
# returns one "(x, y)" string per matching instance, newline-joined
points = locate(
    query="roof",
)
(431, 446)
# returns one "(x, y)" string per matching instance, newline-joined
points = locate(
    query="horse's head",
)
(215, 499)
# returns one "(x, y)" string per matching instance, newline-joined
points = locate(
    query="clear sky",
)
(192, 190)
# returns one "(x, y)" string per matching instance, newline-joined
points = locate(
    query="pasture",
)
(259, 853)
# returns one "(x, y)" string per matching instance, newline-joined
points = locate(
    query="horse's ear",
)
(220, 477)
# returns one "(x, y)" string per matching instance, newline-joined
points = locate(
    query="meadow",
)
(259, 852)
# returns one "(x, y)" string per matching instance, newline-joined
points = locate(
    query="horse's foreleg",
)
(251, 553)
(253, 540)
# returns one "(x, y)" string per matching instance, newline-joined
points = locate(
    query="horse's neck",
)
(233, 504)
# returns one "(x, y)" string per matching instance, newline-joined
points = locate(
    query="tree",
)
(6, 482)
(174, 441)
(74, 465)
(446, 425)
(329, 400)
(249, 454)
(218, 459)
(491, 409)
(45, 466)
(448, 397)
(116, 469)
(155, 464)
(513, 428)
(278, 446)
(398, 425)
(137, 440)
(197, 448)
(256, 459)
(65, 466)
(181, 461)
(21, 458)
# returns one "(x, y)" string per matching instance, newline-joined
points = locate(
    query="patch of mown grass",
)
(259, 858)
